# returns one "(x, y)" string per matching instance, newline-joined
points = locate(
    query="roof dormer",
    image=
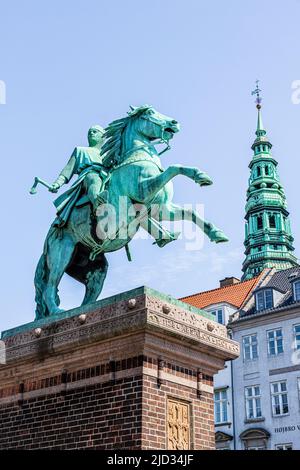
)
(295, 283)
(267, 297)
(264, 299)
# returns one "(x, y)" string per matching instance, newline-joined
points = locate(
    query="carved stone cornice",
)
(146, 312)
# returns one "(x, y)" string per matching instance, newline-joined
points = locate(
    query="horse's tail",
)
(40, 281)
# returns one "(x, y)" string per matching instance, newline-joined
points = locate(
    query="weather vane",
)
(257, 93)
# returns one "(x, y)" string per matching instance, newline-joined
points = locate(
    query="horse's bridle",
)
(162, 125)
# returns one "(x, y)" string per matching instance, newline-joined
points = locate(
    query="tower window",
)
(267, 170)
(258, 171)
(259, 222)
(272, 221)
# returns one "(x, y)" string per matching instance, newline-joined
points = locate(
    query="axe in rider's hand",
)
(39, 181)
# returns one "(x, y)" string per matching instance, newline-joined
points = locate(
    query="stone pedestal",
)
(134, 371)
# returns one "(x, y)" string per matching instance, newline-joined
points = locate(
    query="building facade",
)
(223, 303)
(257, 396)
(266, 376)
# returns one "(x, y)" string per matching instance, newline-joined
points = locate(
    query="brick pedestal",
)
(134, 371)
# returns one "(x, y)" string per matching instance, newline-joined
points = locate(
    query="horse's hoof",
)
(219, 237)
(164, 241)
(203, 179)
(206, 183)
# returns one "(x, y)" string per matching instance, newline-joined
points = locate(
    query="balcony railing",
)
(272, 254)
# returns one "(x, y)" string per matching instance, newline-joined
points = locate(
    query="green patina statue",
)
(121, 186)
(87, 163)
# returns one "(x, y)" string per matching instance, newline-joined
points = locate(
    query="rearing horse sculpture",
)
(145, 190)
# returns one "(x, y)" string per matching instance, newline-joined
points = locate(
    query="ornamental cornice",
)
(131, 316)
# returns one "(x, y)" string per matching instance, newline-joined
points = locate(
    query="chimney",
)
(229, 281)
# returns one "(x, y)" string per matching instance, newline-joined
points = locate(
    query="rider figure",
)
(86, 162)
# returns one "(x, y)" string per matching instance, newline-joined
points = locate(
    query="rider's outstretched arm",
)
(66, 174)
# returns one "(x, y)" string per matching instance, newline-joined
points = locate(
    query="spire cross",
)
(257, 93)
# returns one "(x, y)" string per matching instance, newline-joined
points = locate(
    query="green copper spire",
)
(260, 131)
(268, 238)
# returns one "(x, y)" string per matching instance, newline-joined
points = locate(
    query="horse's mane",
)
(112, 147)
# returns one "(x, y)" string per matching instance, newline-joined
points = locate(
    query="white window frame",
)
(278, 446)
(298, 387)
(294, 290)
(250, 348)
(297, 336)
(253, 398)
(222, 402)
(279, 394)
(275, 342)
(215, 312)
(263, 292)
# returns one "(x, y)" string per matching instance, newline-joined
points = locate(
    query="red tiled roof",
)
(234, 295)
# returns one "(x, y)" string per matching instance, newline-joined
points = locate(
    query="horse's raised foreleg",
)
(59, 254)
(94, 283)
(172, 212)
(149, 187)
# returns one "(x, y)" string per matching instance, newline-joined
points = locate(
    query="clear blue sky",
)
(70, 64)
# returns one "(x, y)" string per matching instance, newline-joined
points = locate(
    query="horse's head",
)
(153, 125)
(143, 124)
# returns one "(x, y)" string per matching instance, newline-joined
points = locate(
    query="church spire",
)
(268, 237)
(260, 128)
(260, 131)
